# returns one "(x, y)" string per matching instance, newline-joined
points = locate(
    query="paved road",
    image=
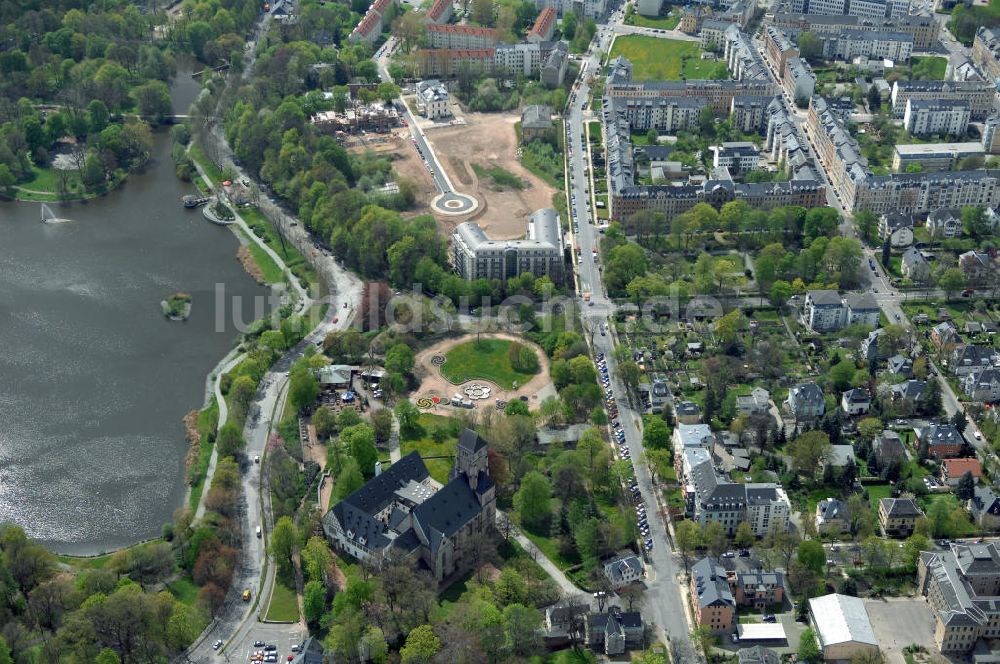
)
(663, 603)
(450, 201)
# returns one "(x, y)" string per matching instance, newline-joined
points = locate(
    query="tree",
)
(421, 644)
(381, 421)
(966, 486)
(230, 440)
(808, 647)
(714, 537)
(348, 481)
(744, 537)
(808, 451)
(387, 91)
(812, 555)
(687, 536)
(153, 100)
(106, 656)
(522, 626)
(652, 136)
(241, 394)
(656, 434)
(951, 281)
(325, 421)
(282, 542)
(959, 421)
(407, 415)
(360, 440)
(704, 637)
(303, 388)
(533, 502)
(870, 428)
(810, 46)
(314, 602)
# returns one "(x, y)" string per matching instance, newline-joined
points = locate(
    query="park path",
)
(303, 301)
(567, 586)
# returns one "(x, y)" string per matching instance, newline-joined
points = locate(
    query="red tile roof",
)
(544, 21)
(367, 24)
(955, 468)
(462, 30)
(381, 5)
(437, 9)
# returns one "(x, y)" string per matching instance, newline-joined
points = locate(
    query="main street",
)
(664, 605)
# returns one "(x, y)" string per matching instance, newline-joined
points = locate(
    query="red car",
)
(335, 319)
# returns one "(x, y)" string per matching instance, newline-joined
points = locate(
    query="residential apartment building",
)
(554, 66)
(962, 587)
(432, 99)
(798, 81)
(369, 28)
(711, 498)
(927, 117)
(978, 94)
(460, 36)
(778, 48)
(923, 29)
(943, 440)
(544, 27)
(986, 52)
(742, 58)
(713, 33)
(594, 9)
(827, 310)
(440, 12)
(846, 167)
(873, 9)
(524, 58)
(983, 385)
(917, 193)
(944, 223)
(711, 596)
(443, 62)
(933, 156)
(748, 113)
(977, 266)
(984, 508)
(757, 588)
(475, 256)
(970, 358)
(914, 266)
(849, 43)
(737, 156)
(897, 517)
(805, 401)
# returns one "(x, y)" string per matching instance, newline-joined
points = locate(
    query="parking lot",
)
(284, 636)
(898, 622)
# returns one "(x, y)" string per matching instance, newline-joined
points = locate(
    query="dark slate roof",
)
(901, 507)
(942, 434)
(984, 500)
(407, 542)
(857, 395)
(911, 390)
(311, 653)
(471, 441)
(808, 392)
(711, 584)
(447, 511)
(355, 512)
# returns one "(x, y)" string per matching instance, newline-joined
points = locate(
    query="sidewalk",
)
(567, 586)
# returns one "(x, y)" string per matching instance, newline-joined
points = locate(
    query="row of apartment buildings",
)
(923, 29)
(672, 105)
(369, 28)
(845, 43)
(906, 193)
(863, 8)
(547, 60)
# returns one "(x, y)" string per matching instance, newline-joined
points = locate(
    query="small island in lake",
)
(177, 306)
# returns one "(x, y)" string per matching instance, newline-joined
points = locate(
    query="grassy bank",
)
(284, 606)
(208, 420)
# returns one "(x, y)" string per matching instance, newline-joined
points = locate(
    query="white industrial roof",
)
(841, 619)
(761, 632)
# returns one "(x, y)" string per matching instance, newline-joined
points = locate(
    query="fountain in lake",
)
(49, 217)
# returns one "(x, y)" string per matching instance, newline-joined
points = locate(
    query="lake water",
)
(94, 380)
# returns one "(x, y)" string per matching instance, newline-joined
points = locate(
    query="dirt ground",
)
(407, 163)
(433, 384)
(489, 139)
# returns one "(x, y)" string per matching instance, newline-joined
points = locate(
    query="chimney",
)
(378, 468)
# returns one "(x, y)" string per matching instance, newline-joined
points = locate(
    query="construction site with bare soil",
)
(481, 160)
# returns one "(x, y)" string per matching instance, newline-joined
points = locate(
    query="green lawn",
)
(272, 273)
(184, 590)
(928, 68)
(501, 177)
(427, 446)
(198, 154)
(81, 563)
(658, 23)
(485, 359)
(284, 605)
(655, 58)
(207, 423)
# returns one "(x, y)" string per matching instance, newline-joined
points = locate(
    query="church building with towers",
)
(402, 511)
